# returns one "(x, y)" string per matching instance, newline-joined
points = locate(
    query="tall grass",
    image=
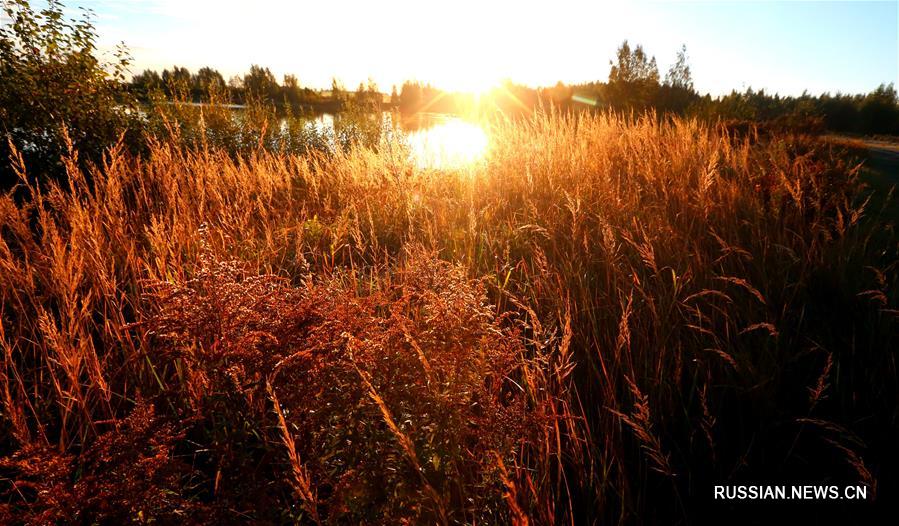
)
(215, 124)
(598, 321)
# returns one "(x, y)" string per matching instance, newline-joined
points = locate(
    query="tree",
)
(879, 111)
(207, 82)
(633, 66)
(146, 82)
(291, 89)
(260, 84)
(236, 89)
(54, 90)
(677, 93)
(367, 94)
(410, 96)
(336, 89)
(634, 78)
(177, 82)
(678, 75)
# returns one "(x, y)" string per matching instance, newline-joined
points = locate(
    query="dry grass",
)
(333, 337)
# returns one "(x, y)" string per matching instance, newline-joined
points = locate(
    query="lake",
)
(436, 140)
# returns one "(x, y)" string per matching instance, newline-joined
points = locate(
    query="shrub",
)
(390, 403)
(130, 474)
(56, 95)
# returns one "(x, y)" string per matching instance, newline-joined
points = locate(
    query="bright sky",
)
(462, 44)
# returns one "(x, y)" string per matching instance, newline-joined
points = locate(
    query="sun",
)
(476, 85)
(472, 78)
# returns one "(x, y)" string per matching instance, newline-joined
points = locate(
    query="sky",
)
(779, 46)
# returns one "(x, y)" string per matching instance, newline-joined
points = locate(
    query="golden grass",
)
(659, 274)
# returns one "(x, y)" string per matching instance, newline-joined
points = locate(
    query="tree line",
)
(634, 84)
(258, 85)
(55, 94)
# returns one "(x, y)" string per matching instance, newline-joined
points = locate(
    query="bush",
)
(394, 403)
(56, 96)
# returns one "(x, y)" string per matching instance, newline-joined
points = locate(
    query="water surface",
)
(435, 140)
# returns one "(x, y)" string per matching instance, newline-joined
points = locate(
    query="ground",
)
(881, 167)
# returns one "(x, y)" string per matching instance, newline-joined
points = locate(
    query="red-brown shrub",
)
(397, 399)
(129, 474)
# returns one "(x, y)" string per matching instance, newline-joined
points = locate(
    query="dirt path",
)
(880, 171)
(884, 152)
(883, 156)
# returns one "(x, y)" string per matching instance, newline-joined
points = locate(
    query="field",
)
(599, 321)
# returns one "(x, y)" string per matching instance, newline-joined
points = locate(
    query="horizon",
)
(780, 47)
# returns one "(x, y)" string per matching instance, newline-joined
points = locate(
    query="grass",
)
(599, 321)
(881, 174)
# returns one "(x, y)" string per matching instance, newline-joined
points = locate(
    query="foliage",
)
(129, 474)
(55, 93)
(633, 66)
(412, 382)
(874, 113)
(257, 126)
(633, 78)
(679, 75)
(260, 84)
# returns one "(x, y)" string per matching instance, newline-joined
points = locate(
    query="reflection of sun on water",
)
(451, 144)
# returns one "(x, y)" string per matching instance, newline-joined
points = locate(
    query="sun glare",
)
(476, 82)
(455, 143)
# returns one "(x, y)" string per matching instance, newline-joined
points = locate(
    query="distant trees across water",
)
(634, 84)
(56, 96)
(259, 84)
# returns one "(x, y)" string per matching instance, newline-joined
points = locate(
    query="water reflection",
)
(444, 141)
(435, 140)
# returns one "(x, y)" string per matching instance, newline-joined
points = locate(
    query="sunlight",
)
(454, 143)
(474, 79)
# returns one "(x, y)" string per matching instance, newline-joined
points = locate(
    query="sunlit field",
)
(273, 300)
(598, 317)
